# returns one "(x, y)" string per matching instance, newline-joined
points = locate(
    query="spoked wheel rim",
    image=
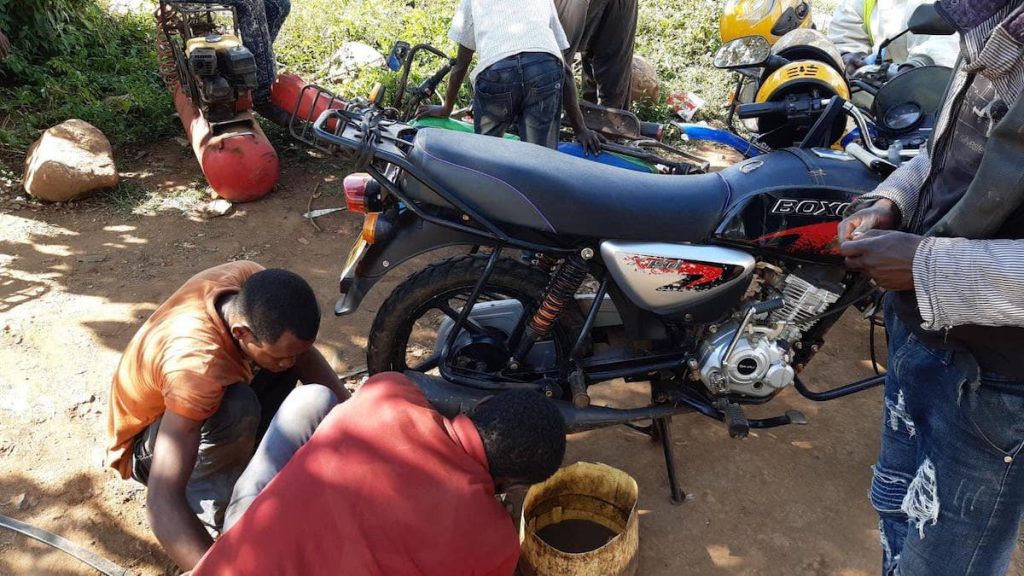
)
(481, 348)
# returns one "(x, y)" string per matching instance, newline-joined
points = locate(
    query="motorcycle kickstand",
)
(661, 427)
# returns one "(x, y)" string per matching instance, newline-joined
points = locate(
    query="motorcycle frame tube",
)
(851, 388)
(724, 137)
(403, 80)
(588, 324)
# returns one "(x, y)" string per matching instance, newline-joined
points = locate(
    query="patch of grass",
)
(678, 37)
(133, 197)
(316, 29)
(71, 58)
(100, 68)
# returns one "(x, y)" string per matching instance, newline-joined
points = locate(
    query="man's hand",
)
(590, 140)
(885, 255)
(5, 47)
(882, 215)
(853, 61)
(433, 111)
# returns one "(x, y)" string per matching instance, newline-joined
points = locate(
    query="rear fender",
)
(410, 237)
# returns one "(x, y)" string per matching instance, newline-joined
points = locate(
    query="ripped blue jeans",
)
(947, 486)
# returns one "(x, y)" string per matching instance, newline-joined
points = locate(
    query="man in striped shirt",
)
(944, 235)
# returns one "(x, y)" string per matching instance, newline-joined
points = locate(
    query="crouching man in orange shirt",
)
(197, 387)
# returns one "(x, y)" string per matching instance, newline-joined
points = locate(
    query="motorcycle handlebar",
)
(869, 144)
(747, 111)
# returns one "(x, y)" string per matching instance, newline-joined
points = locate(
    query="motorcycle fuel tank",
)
(790, 202)
(674, 278)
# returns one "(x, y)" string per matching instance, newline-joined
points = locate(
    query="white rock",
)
(69, 161)
(216, 208)
(350, 58)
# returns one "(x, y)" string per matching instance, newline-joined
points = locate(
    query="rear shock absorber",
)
(560, 292)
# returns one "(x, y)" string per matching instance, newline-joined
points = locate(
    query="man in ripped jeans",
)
(944, 235)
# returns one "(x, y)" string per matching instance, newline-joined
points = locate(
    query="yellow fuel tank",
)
(219, 42)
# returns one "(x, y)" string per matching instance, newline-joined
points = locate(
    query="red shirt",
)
(386, 486)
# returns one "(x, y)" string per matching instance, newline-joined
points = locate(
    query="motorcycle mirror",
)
(398, 53)
(927, 20)
(743, 52)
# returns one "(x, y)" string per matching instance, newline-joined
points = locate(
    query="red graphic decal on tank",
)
(821, 238)
(696, 275)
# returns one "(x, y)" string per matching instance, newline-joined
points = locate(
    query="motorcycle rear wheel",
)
(399, 333)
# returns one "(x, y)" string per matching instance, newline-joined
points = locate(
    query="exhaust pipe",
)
(453, 399)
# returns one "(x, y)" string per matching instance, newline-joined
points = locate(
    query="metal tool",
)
(322, 212)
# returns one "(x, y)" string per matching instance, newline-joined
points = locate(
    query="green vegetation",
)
(74, 58)
(678, 37)
(71, 59)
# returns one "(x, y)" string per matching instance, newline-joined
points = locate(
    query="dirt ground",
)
(75, 284)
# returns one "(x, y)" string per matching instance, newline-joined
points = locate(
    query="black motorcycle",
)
(718, 289)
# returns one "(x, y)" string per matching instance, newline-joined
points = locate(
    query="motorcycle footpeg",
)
(578, 386)
(735, 420)
(796, 417)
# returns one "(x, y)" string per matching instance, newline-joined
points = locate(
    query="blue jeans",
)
(525, 90)
(947, 486)
(226, 443)
(292, 426)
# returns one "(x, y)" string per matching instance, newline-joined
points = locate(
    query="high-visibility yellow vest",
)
(869, 7)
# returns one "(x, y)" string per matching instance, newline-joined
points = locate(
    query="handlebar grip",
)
(763, 109)
(431, 83)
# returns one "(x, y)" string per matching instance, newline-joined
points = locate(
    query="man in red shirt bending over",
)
(386, 485)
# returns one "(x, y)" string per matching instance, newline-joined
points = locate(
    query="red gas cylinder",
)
(239, 162)
(288, 89)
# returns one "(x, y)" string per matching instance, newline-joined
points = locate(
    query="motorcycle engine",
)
(224, 74)
(757, 364)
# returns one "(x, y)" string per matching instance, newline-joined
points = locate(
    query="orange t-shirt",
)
(180, 360)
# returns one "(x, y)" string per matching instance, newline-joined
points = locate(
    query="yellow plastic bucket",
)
(582, 521)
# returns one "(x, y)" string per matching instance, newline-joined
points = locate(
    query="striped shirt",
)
(993, 293)
(497, 29)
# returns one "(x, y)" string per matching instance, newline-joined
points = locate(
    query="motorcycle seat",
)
(538, 188)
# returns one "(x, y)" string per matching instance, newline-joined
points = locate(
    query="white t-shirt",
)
(497, 29)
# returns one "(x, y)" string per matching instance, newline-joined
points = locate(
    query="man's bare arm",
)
(455, 79)
(313, 368)
(174, 523)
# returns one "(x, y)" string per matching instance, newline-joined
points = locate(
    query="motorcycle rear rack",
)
(300, 125)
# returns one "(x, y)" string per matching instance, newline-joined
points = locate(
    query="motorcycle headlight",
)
(750, 10)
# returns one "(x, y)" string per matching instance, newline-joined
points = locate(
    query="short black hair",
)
(275, 301)
(523, 435)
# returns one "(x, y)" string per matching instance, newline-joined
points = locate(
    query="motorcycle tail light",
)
(362, 193)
